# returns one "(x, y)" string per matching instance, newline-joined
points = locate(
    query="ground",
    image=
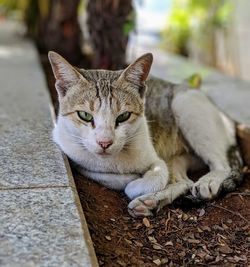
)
(216, 233)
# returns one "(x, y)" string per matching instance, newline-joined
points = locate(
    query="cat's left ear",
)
(138, 71)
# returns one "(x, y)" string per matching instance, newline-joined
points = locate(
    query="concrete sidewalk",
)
(41, 219)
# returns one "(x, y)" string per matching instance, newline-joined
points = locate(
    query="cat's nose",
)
(105, 144)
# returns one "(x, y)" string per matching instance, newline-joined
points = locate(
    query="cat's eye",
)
(85, 116)
(123, 117)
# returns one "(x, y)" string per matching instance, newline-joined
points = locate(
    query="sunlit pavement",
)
(41, 222)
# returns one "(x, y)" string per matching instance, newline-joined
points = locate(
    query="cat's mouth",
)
(103, 153)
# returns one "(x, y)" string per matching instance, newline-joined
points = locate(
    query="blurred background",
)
(105, 33)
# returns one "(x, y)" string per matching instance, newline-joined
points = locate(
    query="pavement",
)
(41, 219)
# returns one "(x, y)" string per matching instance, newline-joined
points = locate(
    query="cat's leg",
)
(211, 135)
(111, 180)
(154, 180)
(180, 185)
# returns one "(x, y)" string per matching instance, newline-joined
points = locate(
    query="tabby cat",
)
(142, 135)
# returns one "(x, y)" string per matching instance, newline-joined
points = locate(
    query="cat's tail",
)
(236, 175)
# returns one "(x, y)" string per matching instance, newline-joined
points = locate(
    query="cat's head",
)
(102, 110)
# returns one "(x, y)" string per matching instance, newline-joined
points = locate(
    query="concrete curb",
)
(41, 218)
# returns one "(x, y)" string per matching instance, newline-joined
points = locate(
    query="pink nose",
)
(105, 144)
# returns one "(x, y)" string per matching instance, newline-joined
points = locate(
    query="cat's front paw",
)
(143, 206)
(144, 186)
(206, 188)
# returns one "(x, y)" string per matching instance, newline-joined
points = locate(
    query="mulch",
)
(216, 233)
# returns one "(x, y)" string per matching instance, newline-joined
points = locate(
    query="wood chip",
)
(146, 222)
(157, 262)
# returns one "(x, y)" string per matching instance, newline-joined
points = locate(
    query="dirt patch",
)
(214, 234)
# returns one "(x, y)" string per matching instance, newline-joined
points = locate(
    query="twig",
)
(232, 212)
(240, 193)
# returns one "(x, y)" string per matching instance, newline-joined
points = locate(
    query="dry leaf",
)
(202, 212)
(242, 258)
(169, 243)
(128, 241)
(108, 237)
(157, 262)
(225, 249)
(139, 244)
(122, 263)
(157, 247)
(184, 217)
(152, 239)
(199, 230)
(193, 241)
(206, 228)
(150, 231)
(164, 260)
(146, 222)
(224, 226)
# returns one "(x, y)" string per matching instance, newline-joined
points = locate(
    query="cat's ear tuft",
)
(137, 72)
(65, 74)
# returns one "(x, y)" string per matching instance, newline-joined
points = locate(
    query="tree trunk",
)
(54, 25)
(106, 23)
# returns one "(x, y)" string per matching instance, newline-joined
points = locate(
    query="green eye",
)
(85, 116)
(123, 117)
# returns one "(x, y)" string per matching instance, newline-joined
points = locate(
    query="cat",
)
(141, 134)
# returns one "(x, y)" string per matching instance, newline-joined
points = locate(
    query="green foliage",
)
(129, 25)
(9, 6)
(191, 18)
(194, 81)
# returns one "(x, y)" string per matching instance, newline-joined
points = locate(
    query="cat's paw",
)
(206, 188)
(143, 206)
(144, 186)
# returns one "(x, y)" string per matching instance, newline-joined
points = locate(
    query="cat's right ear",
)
(137, 72)
(66, 75)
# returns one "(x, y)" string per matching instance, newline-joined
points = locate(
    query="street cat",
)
(142, 135)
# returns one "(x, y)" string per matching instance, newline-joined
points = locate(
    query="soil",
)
(215, 233)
